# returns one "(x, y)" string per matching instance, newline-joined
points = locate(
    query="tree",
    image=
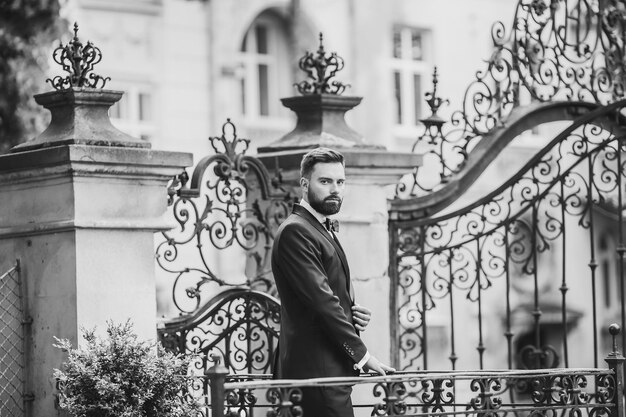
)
(29, 29)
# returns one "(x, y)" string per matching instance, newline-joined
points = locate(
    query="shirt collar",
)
(319, 216)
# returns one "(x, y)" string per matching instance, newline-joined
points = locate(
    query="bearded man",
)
(320, 321)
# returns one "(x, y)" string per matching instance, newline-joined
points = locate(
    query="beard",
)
(326, 206)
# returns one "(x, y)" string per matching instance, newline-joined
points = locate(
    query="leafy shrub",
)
(120, 376)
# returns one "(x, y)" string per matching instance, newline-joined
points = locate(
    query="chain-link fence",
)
(12, 344)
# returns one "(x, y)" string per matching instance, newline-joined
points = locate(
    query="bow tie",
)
(332, 225)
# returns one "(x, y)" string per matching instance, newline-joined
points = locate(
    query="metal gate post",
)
(217, 376)
(615, 360)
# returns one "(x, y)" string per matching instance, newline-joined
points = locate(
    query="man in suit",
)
(320, 321)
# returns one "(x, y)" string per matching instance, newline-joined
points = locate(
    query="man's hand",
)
(361, 317)
(373, 365)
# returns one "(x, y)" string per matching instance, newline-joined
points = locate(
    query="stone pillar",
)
(371, 171)
(80, 205)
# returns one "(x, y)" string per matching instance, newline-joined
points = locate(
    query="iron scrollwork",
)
(555, 50)
(438, 393)
(239, 402)
(284, 402)
(239, 325)
(504, 236)
(320, 70)
(487, 401)
(566, 390)
(394, 395)
(78, 60)
(229, 203)
(533, 357)
(605, 394)
(551, 393)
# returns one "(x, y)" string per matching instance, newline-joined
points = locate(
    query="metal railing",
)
(14, 395)
(545, 392)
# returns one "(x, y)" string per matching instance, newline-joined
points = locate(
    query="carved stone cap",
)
(80, 116)
(321, 122)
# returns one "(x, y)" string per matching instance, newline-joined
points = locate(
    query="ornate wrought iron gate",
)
(230, 207)
(538, 262)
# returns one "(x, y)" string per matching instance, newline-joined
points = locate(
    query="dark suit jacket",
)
(317, 336)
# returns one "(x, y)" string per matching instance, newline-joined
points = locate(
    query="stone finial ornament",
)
(78, 61)
(320, 69)
(79, 105)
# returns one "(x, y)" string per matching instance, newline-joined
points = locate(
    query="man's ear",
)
(304, 183)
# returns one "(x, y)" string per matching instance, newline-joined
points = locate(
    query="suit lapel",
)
(304, 213)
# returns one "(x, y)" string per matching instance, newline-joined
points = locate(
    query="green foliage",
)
(28, 31)
(120, 376)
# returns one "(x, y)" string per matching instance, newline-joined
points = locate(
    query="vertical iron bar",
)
(508, 334)
(481, 346)
(248, 318)
(271, 353)
(423, 279)
(453, 356)
(592, 262)
(621, 250)
(394, 320)
(577, 26)
(227, 350)
(216, 376)
(537, 311)
(615, 360)
(564, 288)
(441, 159)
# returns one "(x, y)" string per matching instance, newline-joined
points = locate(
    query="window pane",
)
(261, 39)
(398, 96)
(263, 90)
(145, 107)
(417, 89)
(417, 53)
(397, 43)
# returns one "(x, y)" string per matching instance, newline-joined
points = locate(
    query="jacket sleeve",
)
(298, 256)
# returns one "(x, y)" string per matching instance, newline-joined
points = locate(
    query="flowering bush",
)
(120, 376)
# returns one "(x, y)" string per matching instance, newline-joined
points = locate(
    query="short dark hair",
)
(316, 156)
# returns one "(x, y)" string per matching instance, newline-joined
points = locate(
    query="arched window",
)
(266, 75)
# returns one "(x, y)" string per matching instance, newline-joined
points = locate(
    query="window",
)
(133, 114)
(266, 75)
(410, 71)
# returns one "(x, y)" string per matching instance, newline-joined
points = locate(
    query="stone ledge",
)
(62, 188)
(83, 158)
(73, 225)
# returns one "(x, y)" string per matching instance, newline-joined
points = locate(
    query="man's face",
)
(324, 190)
